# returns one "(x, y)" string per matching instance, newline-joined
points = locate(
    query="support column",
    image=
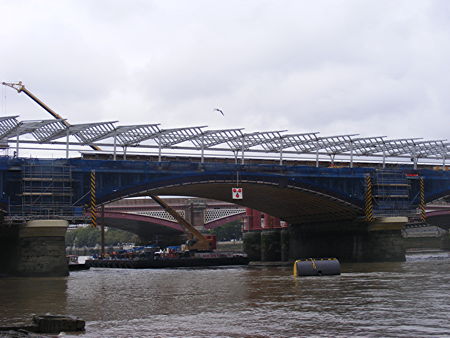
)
(252, 245)
(385, 241)
(270, 245)
(284, 239)
(378, 241)
(195, 214)
(445, 242)
(9, 239)
(256, 223)
(248, 220)
(276, 222)
(268, 221)
(42, 251)
(271, 222)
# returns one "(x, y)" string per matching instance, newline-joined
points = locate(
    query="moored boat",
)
(75, 265)
(174, 261)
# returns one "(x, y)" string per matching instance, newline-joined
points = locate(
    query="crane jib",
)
(21, 88)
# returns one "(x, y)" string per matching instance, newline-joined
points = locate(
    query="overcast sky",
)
(371, 67)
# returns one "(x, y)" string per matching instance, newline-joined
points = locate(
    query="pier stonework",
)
(195, 214)
(385, 241)
(445, 242)
(377, 241)
(270, 245)
(284, 244)
(42, 249)
(9, 238)
(252, 245)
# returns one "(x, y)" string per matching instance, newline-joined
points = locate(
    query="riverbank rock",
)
(56, 324)
(45, 324)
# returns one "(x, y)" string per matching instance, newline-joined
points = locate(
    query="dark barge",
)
(172, 262)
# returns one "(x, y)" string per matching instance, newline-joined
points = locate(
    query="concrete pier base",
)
(270, 246)
(284, 243)
(252, 245)
(9, 239)
(42, 249)
(445, 242)
(380, 241)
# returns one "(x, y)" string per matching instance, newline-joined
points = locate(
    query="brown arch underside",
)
(292, 205)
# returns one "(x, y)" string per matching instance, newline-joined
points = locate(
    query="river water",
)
(410, 299)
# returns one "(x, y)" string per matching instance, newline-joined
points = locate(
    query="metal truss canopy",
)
(7, 123)
(296, 141)
(39, 129)
(211, 138)
(133, 135)
(169, 137)
(47, 131)
(94, 132)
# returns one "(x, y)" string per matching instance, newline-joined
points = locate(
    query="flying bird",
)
(220, 111)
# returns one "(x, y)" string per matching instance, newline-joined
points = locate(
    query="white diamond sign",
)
(237, 193)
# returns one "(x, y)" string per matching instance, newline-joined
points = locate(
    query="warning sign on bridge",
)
(237, 193)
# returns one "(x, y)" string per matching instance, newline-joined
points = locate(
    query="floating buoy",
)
(317, 267)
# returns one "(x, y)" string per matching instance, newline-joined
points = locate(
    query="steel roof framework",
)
(249, 140)
(92, 132)
(296, 141)
(133, 135)
(211, 138)
(36, 128)
(47, 131)
(167, 138)
(7, 123)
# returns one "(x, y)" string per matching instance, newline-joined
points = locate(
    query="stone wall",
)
(353, 241)
(42, 249)
(9, 241)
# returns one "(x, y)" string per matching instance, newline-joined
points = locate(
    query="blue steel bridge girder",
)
(330, 180)
(305, 190)
(214, 181)
(436, 183)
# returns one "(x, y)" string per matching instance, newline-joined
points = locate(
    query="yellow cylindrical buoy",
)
(317, 267)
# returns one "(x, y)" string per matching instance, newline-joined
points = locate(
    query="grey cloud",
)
(370, 67)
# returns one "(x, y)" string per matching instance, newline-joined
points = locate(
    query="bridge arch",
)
(292, 201)
(440, 218)
(148, 227)
(442, 194)
(145, 227)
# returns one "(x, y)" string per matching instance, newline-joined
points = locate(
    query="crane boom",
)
(202, 241)
(20, 87)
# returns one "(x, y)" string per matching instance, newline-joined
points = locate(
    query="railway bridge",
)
(344, 196)
(147, 219)
(352, 213)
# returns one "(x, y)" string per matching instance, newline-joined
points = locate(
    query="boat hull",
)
(166, 262)
(78, 266)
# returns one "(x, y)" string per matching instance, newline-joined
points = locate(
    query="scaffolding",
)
(391, 193)
(46, 191)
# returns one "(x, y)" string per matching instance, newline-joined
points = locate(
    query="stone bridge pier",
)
(378, 241)
(195, 214)
(9, 239)
(350, 241)
(34, 249)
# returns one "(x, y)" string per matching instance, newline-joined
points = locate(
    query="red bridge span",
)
(147, 219)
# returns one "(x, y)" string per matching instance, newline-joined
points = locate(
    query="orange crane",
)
(199, 242)
(20, 87)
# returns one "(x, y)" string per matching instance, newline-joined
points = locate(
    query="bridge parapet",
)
(160, 214)
(210, 215)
